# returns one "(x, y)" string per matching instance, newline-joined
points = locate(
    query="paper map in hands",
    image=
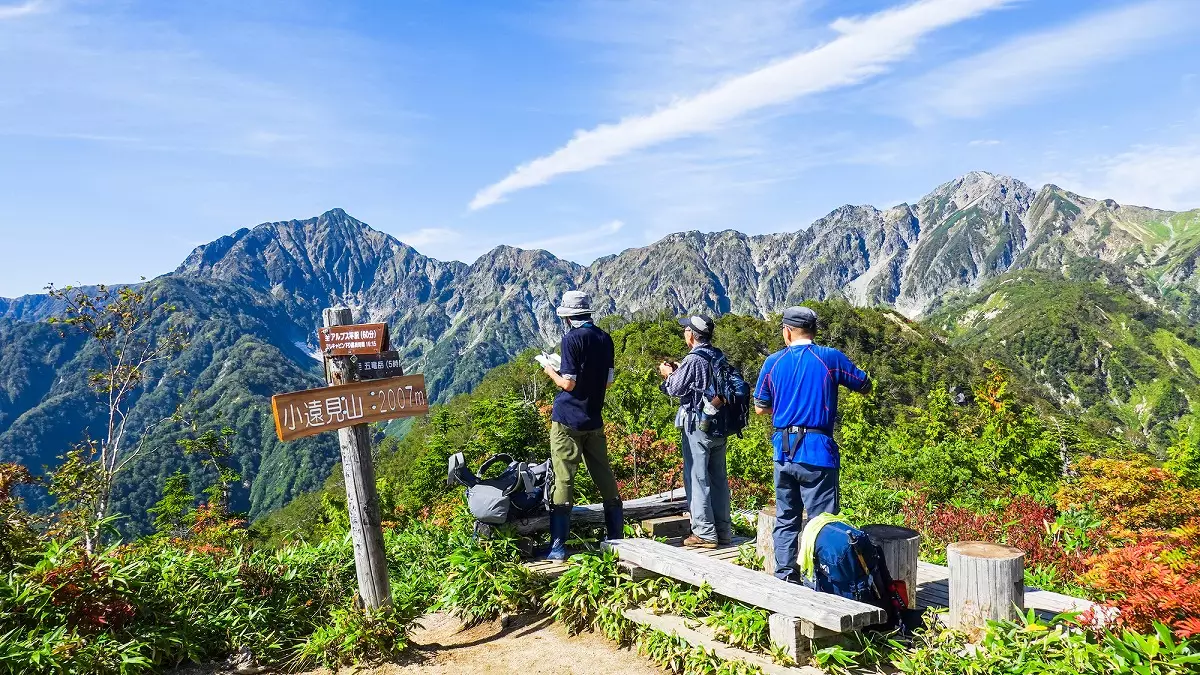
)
(552, 360)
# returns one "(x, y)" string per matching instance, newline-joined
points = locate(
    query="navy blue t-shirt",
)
(800, 384)
(587, 356)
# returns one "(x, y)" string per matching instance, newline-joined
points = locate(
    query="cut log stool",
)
(987, 581)
(900, 548)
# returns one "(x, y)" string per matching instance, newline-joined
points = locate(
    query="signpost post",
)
(348, 406)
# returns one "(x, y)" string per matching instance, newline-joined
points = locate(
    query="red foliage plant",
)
(1155, 579)
(647, 464)
(81, 592)
(1024, 523)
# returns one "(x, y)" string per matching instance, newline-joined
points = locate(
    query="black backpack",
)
(728, 383)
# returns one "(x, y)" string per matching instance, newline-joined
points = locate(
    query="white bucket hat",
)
(574, 303)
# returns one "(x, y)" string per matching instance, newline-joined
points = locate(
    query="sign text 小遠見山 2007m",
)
(304, 413)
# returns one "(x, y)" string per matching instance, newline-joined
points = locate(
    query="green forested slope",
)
(226, 375)
(506, 413)
(1129, 367)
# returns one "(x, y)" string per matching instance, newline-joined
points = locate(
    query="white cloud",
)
(865, 47)
(580, 243)
(1159, 176)
(430, 236)
(979, 142)
(1042, 63)
(19, 10)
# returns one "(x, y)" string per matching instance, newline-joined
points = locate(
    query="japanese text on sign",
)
(305, 413)
(367, 338)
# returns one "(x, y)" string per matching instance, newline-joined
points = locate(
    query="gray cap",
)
(800, 317)
(574, 303)
(699, 324)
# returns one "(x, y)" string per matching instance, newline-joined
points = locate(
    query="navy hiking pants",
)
(799, 488)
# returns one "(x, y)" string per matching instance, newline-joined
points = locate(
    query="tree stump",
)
(987, 581)
(764, 542)
(900, 547)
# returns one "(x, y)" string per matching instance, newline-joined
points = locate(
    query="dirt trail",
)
(533, 646)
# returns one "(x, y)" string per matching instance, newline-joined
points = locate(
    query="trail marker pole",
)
(362, 499)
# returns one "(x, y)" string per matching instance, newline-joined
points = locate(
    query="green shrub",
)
(486, 579)
(357, 637)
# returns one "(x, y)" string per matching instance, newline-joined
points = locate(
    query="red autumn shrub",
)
(1130, 494)
(645, 464)
(1023, 523)
(80, 590)
(1155, 579)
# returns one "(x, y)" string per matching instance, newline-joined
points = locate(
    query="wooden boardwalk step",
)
(754, 588)
(933, 590)
(703, 636)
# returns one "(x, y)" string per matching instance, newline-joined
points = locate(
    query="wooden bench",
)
(800, 609)
(654, 506)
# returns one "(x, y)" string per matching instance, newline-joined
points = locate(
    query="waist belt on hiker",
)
(793, 438)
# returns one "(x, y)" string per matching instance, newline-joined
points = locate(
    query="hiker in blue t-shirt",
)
(798, 387)
(576, 428)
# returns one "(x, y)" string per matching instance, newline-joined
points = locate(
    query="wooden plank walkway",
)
(933, 590)
(827, 611)
(728, 553)
(655, 506)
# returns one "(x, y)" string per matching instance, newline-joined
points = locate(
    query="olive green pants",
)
(567, 448)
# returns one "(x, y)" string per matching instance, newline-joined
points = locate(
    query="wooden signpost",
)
(349, 405)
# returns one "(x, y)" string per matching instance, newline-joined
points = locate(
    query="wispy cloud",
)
(865, 47)
(19, 10)
(981, 142)
(1042, 63)
(430, 236)
(579, 243)
(1160, 176)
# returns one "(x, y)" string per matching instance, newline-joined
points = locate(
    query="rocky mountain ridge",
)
(264, 288)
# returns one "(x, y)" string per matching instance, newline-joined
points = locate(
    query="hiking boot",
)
(614, 519)
(696, 542)
(560, 529)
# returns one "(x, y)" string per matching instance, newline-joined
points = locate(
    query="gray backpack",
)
(519, 491)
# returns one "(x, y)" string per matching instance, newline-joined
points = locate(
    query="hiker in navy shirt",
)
(576, 428)
(798, 387)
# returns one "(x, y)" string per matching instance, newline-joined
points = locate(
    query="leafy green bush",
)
(1029, 646)
(486, 579)
(356, 636)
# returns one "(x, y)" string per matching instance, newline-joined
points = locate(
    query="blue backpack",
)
(727, 383)
(849, 564)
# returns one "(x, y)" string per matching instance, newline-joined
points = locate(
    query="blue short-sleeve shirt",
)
(800, 384)
(587, 357)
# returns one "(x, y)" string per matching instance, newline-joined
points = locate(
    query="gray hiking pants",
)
(707, 485)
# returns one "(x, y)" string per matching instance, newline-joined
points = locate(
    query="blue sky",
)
(131, 132)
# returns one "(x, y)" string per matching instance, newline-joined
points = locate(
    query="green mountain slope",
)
(1103, 351)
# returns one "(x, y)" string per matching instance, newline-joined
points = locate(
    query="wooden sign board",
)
(378, 366)
(363, 338)
(304, 413)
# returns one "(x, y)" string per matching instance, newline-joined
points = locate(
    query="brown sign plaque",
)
(363, 338)
(304, 413)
